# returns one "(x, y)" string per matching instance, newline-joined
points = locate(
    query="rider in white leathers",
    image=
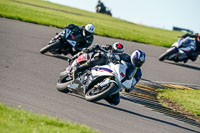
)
(188, 46)
(192, 51)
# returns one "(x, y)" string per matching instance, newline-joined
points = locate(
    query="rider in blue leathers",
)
(135, 61)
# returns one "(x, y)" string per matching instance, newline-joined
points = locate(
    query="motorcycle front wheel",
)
(63, 83)
(50, 46)
(166, 54)
(93, 94)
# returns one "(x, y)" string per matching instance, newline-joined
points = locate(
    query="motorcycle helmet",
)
(89, 29)
(138, 58)
(118, 47)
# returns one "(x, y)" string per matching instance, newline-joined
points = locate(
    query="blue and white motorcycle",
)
(175, 52)
(98, 82)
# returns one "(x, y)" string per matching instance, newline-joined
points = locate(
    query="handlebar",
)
(103, 50)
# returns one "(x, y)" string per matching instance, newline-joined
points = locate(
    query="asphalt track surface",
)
(28, 78)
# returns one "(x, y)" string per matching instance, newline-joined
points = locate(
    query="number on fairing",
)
(73, 43)
(67, 32)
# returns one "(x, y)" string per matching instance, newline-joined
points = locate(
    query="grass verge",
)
(18, 121)
(186, 101)
(46, 13)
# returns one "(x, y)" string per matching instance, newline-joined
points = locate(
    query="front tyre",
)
(63, 83)
(50, 46)
(95, 95)
(166, 54)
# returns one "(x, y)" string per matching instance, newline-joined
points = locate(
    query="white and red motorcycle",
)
(98, 82)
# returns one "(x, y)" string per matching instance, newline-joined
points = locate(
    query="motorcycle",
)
(173, 53)
(98, 82)
(63, 43)
(107, 11)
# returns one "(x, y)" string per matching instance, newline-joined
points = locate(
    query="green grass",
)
(188, 100)
(46, 13)
(18, 121)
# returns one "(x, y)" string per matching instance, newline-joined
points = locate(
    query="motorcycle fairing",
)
(102, 68)
(73, 43)
(110, 69)
(81, 58)
(120, 70)
(76, 87)
(183, 42)
(102, 71)
(67, 32)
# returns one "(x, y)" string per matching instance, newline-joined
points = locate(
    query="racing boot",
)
(113, 99)
(193, 56)
(182, 56)
(79, 69)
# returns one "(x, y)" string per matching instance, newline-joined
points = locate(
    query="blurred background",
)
(165, 14)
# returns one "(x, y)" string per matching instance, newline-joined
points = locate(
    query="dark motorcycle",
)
(107, 11)
(63, 43)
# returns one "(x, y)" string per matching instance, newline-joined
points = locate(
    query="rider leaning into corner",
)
(115, 52)
(102, 7)
(192, 51)
(84, 35)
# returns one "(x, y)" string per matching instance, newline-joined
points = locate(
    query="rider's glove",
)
(96, 46)
(77, 48)
(127, 90)
(69, 60)
(108, 47)
(85, 50)
(115, 58)
(80, 53)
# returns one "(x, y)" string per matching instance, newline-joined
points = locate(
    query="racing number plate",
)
(67, 33)
(82, 57)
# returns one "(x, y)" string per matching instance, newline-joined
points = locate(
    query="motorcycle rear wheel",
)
(49, 47)
(166, 54)
(89, 96)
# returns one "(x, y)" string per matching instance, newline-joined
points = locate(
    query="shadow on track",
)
(146, 117)
(159, 108)
(154, 104)
(184, 65)
(62, 57)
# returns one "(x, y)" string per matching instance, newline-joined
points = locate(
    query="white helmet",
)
(90, 28)
(118, 47)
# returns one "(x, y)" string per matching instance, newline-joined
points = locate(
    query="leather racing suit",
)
(83, 39)
(100, 57)
(196, 50)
